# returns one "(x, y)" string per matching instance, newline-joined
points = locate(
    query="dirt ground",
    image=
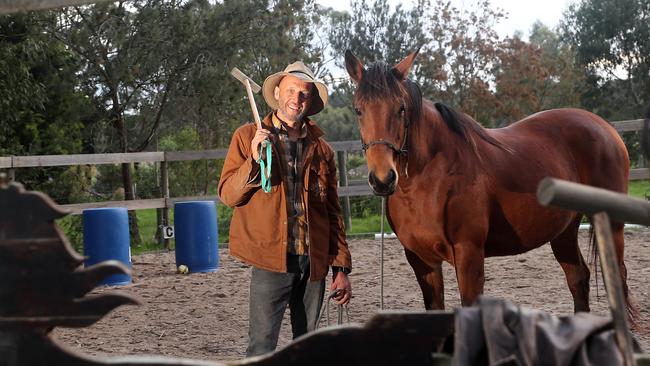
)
(204, 315)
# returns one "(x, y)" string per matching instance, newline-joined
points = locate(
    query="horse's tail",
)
(633, 313)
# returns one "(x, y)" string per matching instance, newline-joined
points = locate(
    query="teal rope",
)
(265, 169)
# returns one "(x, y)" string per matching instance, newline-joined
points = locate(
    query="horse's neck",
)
(431, 140)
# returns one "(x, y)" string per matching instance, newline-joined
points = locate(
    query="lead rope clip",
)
(265, 166)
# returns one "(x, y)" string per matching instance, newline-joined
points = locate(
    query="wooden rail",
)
(591, 200)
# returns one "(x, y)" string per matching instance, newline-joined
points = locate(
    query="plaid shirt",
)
(291, 156)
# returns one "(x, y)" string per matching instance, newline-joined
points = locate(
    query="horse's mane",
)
(464, 126)
(379, 81)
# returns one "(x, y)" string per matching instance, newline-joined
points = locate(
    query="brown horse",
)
(459, 193)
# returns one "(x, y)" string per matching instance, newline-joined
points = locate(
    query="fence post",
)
(164, 179)
(343, 182)
(613, 285)
(640, 162)
(12, 175)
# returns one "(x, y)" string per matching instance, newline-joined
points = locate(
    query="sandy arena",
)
(204, 315)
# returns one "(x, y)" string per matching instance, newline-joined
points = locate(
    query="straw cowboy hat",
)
(302, 72)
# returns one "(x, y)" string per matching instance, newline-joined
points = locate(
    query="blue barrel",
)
(106, 236)
(195, 229)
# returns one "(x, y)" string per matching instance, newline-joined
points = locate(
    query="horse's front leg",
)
(429, 278)
(469, 260)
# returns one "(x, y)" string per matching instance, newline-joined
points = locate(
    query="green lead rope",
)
(265, 169)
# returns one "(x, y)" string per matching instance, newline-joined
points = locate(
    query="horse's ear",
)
(354, 66)
(401, 69)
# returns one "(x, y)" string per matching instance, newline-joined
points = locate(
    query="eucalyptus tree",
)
(612, 40)
(133, 56)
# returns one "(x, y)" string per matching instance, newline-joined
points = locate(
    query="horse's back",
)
(571, 144)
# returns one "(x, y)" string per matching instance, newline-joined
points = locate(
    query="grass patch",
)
(369, 224)
(147, 223)
(639, 188)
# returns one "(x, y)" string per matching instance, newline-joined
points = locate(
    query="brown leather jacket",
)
(258, 230)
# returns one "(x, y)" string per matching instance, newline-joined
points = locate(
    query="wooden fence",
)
(163, 158)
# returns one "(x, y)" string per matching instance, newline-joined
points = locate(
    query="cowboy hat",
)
(302, 72)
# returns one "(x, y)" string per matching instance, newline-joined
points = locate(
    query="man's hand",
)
(259, 137)
(342, 283)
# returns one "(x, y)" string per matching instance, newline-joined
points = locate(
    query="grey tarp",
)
(497, 332)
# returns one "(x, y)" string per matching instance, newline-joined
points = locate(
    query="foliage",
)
(535, 75)
(564, 80)
(72, 227)
(41, 110)
(258, 37)
(519, 80)
(374, 32)
(456, 63)
(224, 215)
(612, 40)
(187, 178)
(338, 123)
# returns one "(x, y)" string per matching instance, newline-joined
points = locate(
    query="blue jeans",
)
(271, 292)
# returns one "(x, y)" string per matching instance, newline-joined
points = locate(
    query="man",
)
(294, 233)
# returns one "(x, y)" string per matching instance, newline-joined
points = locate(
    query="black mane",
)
(462, 125)
(381, 82)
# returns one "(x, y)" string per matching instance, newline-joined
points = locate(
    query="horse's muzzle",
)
(384, 187)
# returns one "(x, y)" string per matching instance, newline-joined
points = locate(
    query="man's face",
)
(294, 98)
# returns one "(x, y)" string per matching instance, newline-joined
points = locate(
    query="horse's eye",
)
(357, 111)
(401, 109)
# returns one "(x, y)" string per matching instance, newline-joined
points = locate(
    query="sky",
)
(521, 13)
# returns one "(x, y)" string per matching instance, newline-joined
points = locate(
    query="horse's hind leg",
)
(567, 252)
(430, 280)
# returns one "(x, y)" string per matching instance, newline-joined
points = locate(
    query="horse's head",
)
(385, 102)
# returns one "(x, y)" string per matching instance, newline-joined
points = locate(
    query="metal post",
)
(159, 225)
(164, 178)
(381, 257)
(343, 182)
(613, 285)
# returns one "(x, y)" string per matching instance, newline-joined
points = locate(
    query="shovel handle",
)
(256, 115)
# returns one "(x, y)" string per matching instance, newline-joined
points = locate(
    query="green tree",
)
(339, 123)
(41, 111)
(258, 37)
(612, 41)
(564, 80)
(375, 32)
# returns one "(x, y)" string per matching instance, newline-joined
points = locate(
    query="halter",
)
(399, 151)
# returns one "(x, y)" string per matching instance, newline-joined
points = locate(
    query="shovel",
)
(265, 165)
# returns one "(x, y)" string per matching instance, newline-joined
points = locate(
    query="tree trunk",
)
(130, 196)
(127, 181)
